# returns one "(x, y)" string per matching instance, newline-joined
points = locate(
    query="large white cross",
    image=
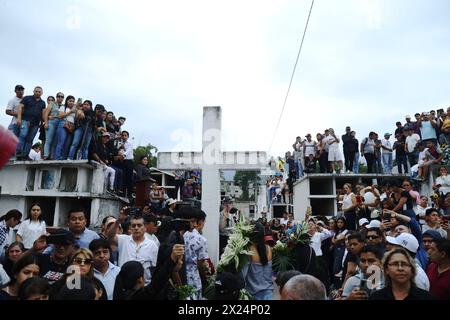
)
(210, 161)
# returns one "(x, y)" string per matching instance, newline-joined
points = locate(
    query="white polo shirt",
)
(146, 253)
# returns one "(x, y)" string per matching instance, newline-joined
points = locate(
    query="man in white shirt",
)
(13, 107)
(135, 247)
(410, 146)
(104, 270)
(386, 149)
(128, 164)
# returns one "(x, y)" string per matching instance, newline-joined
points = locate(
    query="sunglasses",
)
(82, 261)
(60, 97)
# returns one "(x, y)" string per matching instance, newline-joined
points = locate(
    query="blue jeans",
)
(264, 295)
(77, 140)
(299, 168)
(50, 136)
(387, 162)
(61, 141)
(26, 136)
(14, 128)
(356, 163)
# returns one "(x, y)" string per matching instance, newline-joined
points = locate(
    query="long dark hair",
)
(31, 207)
(67, 99)
(14, 213)
(126, 280)
(258, 240)
(344, 227)
(24, 261)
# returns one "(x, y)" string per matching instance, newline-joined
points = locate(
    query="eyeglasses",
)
(400, 264)
(82, 261)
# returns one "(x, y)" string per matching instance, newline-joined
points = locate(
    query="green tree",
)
(149, 151)
(243, 179)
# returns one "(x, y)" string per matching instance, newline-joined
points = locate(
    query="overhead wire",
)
(292, 78)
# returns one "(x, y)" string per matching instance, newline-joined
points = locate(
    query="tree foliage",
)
(243, 179)
(149, 151)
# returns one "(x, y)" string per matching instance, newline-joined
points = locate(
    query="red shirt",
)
(439, 283)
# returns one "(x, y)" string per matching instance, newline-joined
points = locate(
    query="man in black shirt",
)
(54, 265)
(99, 152)
(29, 117)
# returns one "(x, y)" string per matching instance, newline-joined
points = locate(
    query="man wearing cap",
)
(29, 117)
(386, 149)
(409, 242)
(12, 109)
(363, 223)
(169, 209)
(309, 147)
(429, 237)
(54, 265)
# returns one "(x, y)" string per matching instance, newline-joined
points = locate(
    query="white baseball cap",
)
(374, 214)
(374, 224)
(406, 241)
(363, 221)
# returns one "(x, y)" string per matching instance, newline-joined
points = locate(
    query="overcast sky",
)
(364, 63)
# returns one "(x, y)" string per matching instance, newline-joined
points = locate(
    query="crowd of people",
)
(72, 129)
(138, 255)
(417, 144)
(386, 242)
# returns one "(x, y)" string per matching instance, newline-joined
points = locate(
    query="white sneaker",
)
(334, 172)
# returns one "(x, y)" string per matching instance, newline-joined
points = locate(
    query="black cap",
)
(62, 237)
(19, 87)
(433, 234)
